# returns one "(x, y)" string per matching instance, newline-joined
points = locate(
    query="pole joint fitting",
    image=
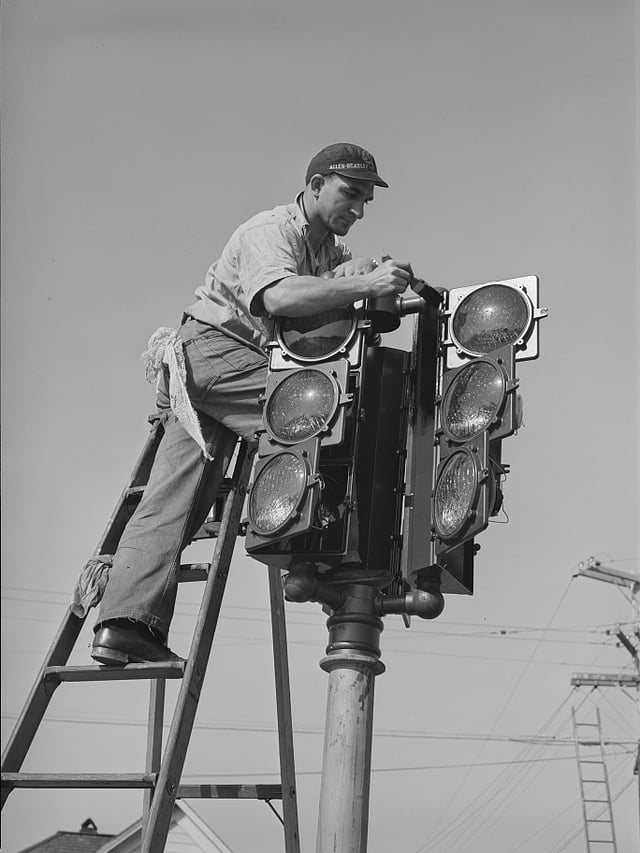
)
(303, 584)
(425, 600)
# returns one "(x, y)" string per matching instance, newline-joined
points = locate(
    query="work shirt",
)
(271, 246)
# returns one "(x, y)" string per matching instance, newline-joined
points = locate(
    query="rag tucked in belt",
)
(165, 348)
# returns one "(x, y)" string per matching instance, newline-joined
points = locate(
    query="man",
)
(216, 364)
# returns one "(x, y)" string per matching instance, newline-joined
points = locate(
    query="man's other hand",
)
(356, 266)
(389, 278)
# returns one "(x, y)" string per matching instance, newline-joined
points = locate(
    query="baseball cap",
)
(345, 159)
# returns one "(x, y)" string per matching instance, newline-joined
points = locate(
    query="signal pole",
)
(401, 450)
(353, 662)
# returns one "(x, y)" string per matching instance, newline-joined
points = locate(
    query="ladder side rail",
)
(120, 516)
(67, 635)
(39, 697)
(157, 694)
(606, 784)
(580, 779)
(283, 707)
(175, 750)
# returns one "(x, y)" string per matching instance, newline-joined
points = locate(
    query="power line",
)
(401, 769)
(517, 683)
(486, 630)
(262, 728)
(485, 799)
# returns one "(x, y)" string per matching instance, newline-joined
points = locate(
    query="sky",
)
(136, 135)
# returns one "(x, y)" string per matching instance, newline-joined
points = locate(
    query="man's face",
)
(341, 202)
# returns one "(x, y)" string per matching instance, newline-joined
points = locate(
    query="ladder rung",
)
(135, 491)
(130, 672)
(79, 780)
(139, 780)
(235, 792)
(211, 529)
(194, 572)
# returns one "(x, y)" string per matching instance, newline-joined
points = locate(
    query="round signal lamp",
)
(277, 493)
(490, 317)
(455, 494)
(318, 337)
(473, 400)
(301, 406)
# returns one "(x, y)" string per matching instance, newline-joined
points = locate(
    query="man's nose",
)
(357, 209)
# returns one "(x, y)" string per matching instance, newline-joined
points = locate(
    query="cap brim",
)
(361, 175)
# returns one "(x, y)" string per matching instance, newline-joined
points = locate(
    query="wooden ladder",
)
(161, 779)
(594, 784)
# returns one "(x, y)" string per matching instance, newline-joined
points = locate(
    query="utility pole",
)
(594, 569)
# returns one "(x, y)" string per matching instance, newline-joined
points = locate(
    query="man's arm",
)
(304, 295)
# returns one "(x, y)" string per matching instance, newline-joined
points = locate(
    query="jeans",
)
(224, 381)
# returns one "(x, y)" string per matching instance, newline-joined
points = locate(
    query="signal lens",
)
(319, 336)
(277, 493)
(490, 317)
(454, 495)
(301, 406)
(473, 399)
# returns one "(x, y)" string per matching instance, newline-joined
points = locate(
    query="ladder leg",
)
(157, 693)
(184, 715)
(283, 704)
(39, 697)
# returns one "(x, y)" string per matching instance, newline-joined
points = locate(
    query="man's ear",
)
(316, 183)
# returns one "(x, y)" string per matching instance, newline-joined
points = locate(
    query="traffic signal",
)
(327, 487)
(466, 399)
(306, 396)
(486, 329)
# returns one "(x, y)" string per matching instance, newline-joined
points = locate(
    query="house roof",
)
(187, 830)
(70, 842)
(191, 830)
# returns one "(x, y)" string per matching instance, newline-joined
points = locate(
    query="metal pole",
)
(352, 661)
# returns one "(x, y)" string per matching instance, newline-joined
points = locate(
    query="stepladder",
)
(161, 779)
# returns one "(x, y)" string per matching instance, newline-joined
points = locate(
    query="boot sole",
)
(112, 657)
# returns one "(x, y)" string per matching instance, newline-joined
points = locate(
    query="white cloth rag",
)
(165, 347)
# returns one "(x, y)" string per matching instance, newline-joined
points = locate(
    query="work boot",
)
(119, 642)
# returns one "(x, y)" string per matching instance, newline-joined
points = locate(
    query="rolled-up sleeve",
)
(267, 255)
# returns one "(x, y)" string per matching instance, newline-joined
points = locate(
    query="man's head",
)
(339, 183)
(350, 161)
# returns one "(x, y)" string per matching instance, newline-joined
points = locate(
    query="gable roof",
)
(70, 842)
(186, 826)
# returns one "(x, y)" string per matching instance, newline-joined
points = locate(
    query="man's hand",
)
(390, 278)
(356, 266)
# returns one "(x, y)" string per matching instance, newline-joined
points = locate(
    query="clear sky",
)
(136, 135)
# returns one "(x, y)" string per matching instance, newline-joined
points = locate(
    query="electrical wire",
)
(454, 797)
(187, 610)
(259, 727)
(507, 787)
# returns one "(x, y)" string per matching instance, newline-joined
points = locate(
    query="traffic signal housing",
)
(327, 487)
(465, 402)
